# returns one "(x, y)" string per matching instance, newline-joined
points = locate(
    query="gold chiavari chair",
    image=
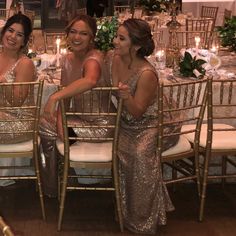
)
(4, 14)
(19, 118)
(6, 230)
(217, 139)
(209, 12)
(186, 39)
(98, 152)
(179, 104)
(50, 40)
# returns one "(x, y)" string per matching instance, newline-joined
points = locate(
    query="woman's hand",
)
(49, 109)
(124, 91)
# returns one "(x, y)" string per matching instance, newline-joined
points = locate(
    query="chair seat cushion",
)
(182, 146)
(26, 146)
(220, 139)
(88, 152)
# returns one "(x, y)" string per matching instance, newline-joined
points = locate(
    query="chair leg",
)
(223, 170)
(204, 186)
(62, 194)
(36, 160)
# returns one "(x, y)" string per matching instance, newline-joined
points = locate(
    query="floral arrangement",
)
(154, 5)
(191, 66)
(107, 27)
(228, 33)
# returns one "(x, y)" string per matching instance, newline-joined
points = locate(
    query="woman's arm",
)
(24, 72)
(145, 93)
(92, 73)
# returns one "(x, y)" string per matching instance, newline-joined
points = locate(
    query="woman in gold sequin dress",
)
(15, 67)
(81, 71)
(145, 198)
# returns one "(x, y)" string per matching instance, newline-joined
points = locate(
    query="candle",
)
(197, 41)
(58, 41)
(160, 59)
(214, 49)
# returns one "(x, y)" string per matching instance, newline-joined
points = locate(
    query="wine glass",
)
(215, 62)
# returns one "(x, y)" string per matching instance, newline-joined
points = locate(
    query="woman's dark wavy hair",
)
(19, 18)
(140, 35)
(90, 21)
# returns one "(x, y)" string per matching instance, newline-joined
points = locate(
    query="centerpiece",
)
(154, 5)
(107, 27)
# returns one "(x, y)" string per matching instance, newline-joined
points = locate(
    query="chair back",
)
(50, 40)
(186, 39)
(221, 107)
(180, 104)
(4, 13)
(28, 102)
(209, 12)
(202, 24)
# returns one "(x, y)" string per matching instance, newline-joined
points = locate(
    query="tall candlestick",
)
(58, 41)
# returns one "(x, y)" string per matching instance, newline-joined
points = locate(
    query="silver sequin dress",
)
(15, 114)
(145, 199)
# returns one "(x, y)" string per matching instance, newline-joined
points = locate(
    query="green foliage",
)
(189, 64)
(107, 27)
(153, 5)
(228, 33)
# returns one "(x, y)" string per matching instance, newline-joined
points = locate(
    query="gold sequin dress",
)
(145, 199)
(15, 114)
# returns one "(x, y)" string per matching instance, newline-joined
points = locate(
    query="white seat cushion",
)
(183, 145)
(17, 147)
(220, 139)
(88, 152)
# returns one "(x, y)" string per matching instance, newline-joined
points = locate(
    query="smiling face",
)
(80, 36)
(122, 42)
(13, 37)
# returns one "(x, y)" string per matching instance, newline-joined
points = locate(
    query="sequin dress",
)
(15, 114)
(48, 131)
(145, 199)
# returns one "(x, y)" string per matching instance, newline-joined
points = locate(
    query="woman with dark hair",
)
(15, 67)
(144, 196)
(81, 71)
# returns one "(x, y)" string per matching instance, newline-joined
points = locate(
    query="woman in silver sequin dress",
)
(81, 71)
(15, 67)
(145, 198)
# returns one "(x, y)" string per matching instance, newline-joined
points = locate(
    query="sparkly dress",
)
(48, 131)
(145, 199)
(17, 125)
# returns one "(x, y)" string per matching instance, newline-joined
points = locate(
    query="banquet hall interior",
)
(94, 213)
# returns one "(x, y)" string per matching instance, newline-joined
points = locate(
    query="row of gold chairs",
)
(211, 138)
(185, 102)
